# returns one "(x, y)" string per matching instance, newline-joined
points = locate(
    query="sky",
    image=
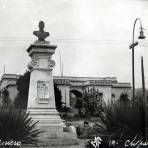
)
(92, 36)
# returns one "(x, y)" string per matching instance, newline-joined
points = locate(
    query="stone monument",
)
(41, 101)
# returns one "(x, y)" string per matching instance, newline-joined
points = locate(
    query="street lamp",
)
(132, 46)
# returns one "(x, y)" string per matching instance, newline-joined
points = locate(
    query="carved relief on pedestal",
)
(34, 63)
(43, 92)
(51, 64)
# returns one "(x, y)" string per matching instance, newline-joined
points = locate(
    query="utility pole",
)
(4, 69)
(144, 98)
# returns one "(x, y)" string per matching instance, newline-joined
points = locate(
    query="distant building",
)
(72, 87)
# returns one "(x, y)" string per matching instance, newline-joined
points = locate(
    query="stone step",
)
(68, 146)
(58, 135)
(49, 121)
(50, 128)
(61, 143)
(42, 111)
(56, 142)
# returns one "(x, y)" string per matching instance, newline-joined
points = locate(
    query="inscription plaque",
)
(43, 92)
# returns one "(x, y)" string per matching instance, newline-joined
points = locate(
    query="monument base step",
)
(58, 135)
(55, 143)
(68, 146)
(50, 128)
(48, 119)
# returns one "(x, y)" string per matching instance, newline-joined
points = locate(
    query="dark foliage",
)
(92, 102)
(17, 126)
(139, 95)
(5, 97)
(58, 97)
(124, 121)
(120, 123)
(23, 89)
(124, 99)
(79, 105)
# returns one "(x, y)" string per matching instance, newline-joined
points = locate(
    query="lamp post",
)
(132, 46)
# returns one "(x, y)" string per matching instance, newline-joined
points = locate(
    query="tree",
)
(58, 97)
(23, 89)
(92, 102)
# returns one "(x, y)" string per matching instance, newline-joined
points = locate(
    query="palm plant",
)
(17, 126)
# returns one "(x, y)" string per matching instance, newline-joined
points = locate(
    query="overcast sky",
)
(93, 36)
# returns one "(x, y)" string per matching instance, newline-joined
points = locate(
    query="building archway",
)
(74, 96)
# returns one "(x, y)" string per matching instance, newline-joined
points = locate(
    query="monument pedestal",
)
(41, 101)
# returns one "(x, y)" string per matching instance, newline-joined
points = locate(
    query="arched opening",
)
(75, 97)
(76, 93)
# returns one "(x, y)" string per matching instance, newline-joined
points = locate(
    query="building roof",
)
(72, 78)
(112, 81)
(10, 76)
(121, 85)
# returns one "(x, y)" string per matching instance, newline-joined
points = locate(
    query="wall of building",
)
(107, 86)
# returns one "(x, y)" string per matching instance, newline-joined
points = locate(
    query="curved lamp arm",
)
(135, 25)
(141, 36)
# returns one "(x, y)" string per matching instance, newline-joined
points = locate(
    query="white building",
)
(72, 87)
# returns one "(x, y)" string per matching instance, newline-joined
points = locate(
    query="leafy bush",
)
(121, 121)
(124, 120)
(17, 126)
(92, 102)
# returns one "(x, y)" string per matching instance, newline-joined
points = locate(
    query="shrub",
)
(92, 102)
(124, 120)
(17, 126)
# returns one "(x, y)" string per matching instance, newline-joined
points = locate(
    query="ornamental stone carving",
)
(34, 63)
(51, 64)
